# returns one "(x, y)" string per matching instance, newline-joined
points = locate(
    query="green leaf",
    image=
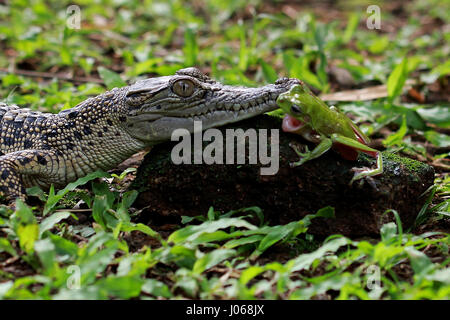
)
(397, 138)
(304, 261)
(244, 50)
(28, 234)
(25, 226)
(63, 246)
(35, 191)
(414, 62)
(379, 45)
(86, 64)
(5, 246)
(413, 119)
(276, 234)
(320, 32)
(211, 214)
(326, 212)
(190, 233)
(66, 55)
(438, 139)
(339, 282)
(249, 273)
(211, 259)
(213, 237)
(188, 285)
(397, 79)
(398, 222)
(149, 65)
(128, 227)
(23, 214)
(124, 173)
(352, 25)
(99, 209)
(184, 257)
(388, 231)
(5, 287)
(308, 76)
(190, 48)
(45, 250)
(136, 264)
(442, 69)
(298, 67)
(50, 221)
(420, 263)
(242, 241)
(53, 199)
(92, 265)
(111, 78)
(156, 288)
(121, 287)
(439, 115)
(270, 75)
(439, 275)
(11, 79)
(290, 65)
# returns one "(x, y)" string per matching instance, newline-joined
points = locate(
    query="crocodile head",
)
(157, 106)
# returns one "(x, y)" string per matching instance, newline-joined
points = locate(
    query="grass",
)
(55, 250)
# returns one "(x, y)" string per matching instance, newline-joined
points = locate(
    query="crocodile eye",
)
(183, 88)
(296, 109)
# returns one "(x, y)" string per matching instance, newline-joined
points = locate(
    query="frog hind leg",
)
(360, 173)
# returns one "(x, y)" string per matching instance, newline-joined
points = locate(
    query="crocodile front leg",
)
(14, 166)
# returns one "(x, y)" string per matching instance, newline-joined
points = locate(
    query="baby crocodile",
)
(43, 149)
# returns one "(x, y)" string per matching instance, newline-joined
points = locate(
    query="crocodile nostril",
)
(293, 81)
(282, 80)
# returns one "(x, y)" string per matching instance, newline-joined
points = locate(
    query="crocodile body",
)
(43, 149)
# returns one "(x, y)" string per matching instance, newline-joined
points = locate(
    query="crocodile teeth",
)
(236, 107)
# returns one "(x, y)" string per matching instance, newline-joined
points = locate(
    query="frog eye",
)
(296, 109)
(183, 88)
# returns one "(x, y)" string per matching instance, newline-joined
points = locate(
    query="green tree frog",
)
(325, 126)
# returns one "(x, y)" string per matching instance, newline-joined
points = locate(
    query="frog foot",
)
(363, 174)
(303, 155)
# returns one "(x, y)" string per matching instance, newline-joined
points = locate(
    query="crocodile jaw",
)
(161, 129)
(218, 105)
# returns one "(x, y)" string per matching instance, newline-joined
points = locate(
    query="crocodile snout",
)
(287, 81)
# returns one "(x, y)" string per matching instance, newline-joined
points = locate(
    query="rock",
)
(168, 189)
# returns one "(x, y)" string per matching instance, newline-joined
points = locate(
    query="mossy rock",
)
(175, 190)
